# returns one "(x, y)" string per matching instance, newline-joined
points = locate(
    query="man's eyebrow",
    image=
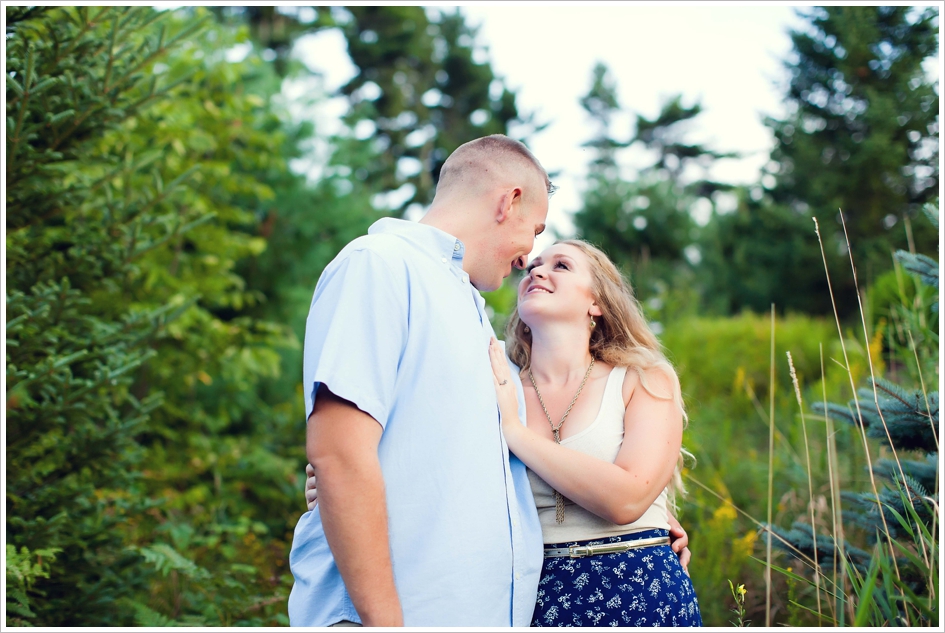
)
(540, 229)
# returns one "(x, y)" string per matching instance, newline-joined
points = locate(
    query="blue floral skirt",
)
(639, 587)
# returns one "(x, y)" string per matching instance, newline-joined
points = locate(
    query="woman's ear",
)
(594, 310)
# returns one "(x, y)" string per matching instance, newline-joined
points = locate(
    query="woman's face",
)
(558, 286)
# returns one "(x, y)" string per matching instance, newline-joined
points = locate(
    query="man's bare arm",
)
(341, 443)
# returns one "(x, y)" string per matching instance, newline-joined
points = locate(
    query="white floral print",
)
(645, 587)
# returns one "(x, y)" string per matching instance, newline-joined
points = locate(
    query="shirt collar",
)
(432, 240)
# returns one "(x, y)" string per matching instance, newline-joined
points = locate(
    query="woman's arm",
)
(621, 491)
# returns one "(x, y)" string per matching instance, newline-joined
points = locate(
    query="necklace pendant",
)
(559, 507)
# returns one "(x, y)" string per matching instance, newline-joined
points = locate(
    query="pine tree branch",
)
(111, 55)
(86, 26)
(27, 80)
(157, 52)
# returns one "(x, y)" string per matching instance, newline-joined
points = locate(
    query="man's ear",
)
(507, 204)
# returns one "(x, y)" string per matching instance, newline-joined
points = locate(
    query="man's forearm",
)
(354, 515)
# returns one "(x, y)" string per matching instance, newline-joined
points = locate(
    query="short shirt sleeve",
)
(356, 333)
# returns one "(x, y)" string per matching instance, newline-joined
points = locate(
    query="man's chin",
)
(486, 285)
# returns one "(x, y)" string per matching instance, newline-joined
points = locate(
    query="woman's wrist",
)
(512, 428)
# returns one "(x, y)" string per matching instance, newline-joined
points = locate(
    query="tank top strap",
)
(611, 405)
(615, 385)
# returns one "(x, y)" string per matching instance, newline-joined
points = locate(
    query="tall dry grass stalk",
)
(856, 401)
(869, 362)
(810, 485)
(836, 511)
(770, 480)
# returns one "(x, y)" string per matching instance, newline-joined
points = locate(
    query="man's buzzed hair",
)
(470, 162)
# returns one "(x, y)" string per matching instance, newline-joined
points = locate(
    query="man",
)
(423, 517)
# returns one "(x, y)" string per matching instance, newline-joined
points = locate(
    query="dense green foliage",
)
(72, 416)
(132, 363)
(861, 136)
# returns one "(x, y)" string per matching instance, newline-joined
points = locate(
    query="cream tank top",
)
(602, 439)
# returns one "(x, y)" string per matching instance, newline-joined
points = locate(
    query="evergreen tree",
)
(862, 133)
(633, 222)
(140, 452)
(72, 348)
(645, 224)
(423, 92)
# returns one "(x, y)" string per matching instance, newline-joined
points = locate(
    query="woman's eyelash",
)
(529, 268)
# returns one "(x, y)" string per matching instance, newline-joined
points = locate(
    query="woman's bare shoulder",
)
(657, 382)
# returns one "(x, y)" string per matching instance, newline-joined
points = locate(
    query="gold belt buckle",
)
(578, 551)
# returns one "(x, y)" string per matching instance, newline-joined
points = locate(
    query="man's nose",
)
(520, 263)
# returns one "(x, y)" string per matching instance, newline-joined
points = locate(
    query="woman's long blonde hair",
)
(621, 338)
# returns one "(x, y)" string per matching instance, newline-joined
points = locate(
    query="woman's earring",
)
(527, 329)
(593, 322)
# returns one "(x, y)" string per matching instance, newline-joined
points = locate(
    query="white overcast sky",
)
(729, 56)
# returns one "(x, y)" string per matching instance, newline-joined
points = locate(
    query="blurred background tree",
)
(863, 131)
(423, 87)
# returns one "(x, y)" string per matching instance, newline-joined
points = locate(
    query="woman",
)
(602, 441)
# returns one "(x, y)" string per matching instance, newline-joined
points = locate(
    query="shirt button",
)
(465, 278)
(443, 259)
(456, 246)
(518, 576)
(514, 523)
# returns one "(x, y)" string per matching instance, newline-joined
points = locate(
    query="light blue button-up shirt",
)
(396, 328)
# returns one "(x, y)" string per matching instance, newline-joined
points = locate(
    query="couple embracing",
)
(463, 484)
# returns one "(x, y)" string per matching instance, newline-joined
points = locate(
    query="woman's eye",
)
(562, 265)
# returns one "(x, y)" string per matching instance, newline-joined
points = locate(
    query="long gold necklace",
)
(556, 430)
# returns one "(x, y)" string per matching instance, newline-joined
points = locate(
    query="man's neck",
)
(455, 222)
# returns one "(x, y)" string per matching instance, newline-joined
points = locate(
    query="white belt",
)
(580, 551)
